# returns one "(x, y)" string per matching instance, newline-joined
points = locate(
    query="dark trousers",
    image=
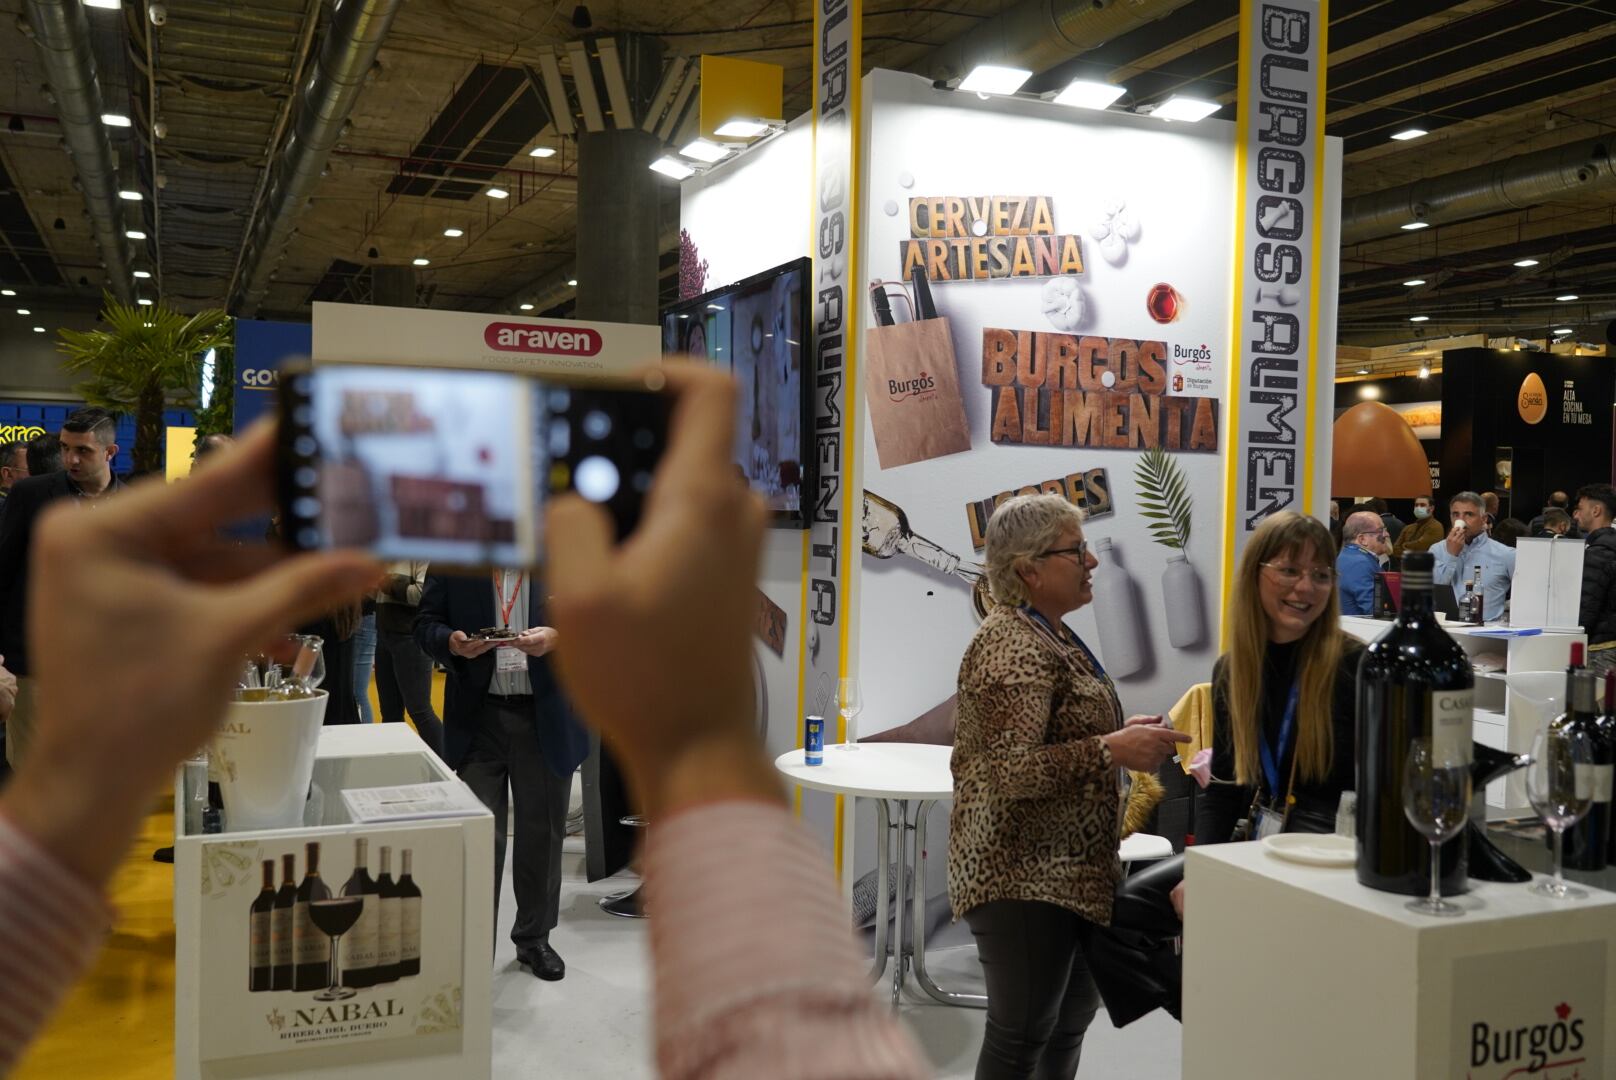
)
(1041, 996)
(404, 681)
(505, 750)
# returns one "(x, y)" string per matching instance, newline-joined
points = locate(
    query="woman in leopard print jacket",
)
(1037, 800)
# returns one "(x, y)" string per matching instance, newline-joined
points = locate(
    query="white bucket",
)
(264, 760)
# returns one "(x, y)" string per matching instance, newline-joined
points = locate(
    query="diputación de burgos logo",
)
(919, 386)
(1529, 1051)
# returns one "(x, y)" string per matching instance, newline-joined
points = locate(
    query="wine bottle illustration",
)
(1165, 502)
(280, 926)
(887, 533)
(311, 948)
(359, 942)
(259, 954)
(409, 920)
(1122, 639)
(386, 919)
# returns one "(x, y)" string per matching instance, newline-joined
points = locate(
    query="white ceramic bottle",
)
(1181, 593)
(1116, 610)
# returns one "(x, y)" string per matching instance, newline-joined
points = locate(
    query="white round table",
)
(902, 773)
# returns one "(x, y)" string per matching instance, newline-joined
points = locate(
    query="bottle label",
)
(1604, 782)
(260, 939)
(1587, 782)
(359, 943)
(280, 935)
(1451, 716)
(409, 928)
(387, 928)
(309, 943)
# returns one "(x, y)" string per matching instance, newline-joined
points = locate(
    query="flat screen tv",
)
(757, 329)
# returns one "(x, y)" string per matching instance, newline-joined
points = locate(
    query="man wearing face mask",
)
(1468, 548)
(1363, 544)
(1426, 531)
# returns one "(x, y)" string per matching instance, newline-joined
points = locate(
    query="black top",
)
(1221, 805)
(1598, 611)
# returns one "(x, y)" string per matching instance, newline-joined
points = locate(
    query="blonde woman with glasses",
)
(1283, 695)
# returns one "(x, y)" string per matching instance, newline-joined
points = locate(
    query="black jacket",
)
(467, 603)
(21, 512)
(1598, 614)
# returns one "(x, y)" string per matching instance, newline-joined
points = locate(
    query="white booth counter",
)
(426, 1017)
(1504, 720)
(1293, 970)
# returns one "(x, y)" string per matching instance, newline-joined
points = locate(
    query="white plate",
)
(1314, 849)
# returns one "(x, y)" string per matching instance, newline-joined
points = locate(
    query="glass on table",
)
(849, 702)
(1559, 785)
(1436, 801)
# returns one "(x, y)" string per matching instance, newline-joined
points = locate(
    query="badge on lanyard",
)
(508, 658)
(1267, 820)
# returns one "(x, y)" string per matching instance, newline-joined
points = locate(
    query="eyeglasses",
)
(1081, 551)
(1322, 576)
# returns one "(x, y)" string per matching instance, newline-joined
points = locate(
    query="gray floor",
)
(597, 1021)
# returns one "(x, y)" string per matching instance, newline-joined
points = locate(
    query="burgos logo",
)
(1181, 355)
(259, 378)
(922, 384)
(1528, 1049)
(529, 338)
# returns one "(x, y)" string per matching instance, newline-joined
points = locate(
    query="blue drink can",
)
(813, 741)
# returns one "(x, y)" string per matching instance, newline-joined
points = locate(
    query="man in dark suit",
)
(87, 452)
(506, 722)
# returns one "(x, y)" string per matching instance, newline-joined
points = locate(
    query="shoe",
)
(163, 854)
(543, 961)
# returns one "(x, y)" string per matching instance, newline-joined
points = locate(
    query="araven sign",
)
(539, 338)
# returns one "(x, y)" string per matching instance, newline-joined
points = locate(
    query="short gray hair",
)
(1360, 522)
(1468, 497)
(1020, 529)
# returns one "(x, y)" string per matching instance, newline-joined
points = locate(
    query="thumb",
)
(298, 591)
(578, 542)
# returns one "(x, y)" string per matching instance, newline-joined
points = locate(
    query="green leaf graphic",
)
(1164, 498)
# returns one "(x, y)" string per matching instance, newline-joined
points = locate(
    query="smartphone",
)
(455, 466)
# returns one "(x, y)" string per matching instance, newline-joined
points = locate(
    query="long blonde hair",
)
(1285, 534)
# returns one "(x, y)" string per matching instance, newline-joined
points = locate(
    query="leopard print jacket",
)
(1037, 811)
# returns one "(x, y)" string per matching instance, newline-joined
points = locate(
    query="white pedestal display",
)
(1299, 970)
(426, 1019)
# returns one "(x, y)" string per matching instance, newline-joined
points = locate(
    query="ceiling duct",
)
(1039, 34)
(1515, 183)
(324, 101)
(63, 36)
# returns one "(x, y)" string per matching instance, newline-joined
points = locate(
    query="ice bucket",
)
(264, 760)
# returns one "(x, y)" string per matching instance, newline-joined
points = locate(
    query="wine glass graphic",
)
(335, 916)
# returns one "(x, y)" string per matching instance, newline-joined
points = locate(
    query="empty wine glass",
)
(1436, 801)
(850, 702)
(1559, 783)
(334, 917)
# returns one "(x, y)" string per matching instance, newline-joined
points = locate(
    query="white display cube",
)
(1299, 970)
(431, 1022)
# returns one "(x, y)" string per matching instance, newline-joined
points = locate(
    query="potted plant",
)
(145, 358)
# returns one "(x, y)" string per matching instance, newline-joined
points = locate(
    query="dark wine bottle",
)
(1585, 842)
(311, 948)
(409, 920)
(1607, 731)
(1414, 683)
(280, 921)
(387, 919)
(359, 944)
(260, 965)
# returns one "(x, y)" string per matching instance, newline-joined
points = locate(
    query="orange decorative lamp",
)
(1375, 453)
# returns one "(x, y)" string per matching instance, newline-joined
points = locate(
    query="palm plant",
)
(143, 359)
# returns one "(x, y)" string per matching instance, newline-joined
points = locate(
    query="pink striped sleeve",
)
(756, 972)
(51, 926)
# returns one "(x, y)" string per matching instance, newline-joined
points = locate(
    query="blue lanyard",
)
(1270, 766)
(1088, 653)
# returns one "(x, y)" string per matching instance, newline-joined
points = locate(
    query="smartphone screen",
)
(454, 466)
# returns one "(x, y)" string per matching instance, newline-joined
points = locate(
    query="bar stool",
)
(626, 905)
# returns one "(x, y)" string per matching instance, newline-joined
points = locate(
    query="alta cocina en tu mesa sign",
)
(956, 238)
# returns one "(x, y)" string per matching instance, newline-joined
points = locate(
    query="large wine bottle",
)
(386, 920)
(1585, 842)
(1414, 683)
(280, 923)
(259, 953)
(409, 920)
(359, 943)
(311, 948)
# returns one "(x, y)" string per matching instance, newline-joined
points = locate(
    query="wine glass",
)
(1559, 783)
(335, 916)
(851, 703)
(1436, 801)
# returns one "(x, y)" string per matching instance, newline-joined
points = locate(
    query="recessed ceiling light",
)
(1420, 318)
(497, 193)
(742, 127)
(1087, 94)
(143, 302)
(454, 232)
(8, 292)
(715, 307)
(1363, 371)
(39, 329)
(1369, 391)
(1411, 282)
(572, 282)
(112, 119)
(1566, 297)
(24, 311)
(109, 5)
(1411, 226)
(1409, 133)
(1562, 330)
(420, 262)
(542, 151)
(1523, 263)
(994, 79)
(1186, 109)
(525, 307)
(673, 167)
(134, 234)
(143, 273)
(1425, 371)
(129, 195)
(703, 150)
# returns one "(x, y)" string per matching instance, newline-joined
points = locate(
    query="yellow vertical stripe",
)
(1310, 423)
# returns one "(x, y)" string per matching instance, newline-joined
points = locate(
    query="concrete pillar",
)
(393, 286)
(618, 195)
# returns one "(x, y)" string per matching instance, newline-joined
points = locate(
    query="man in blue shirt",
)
(1364, 539)
(1468, 547)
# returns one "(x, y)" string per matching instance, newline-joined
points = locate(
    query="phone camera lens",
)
(597, 425)
(597, 479)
